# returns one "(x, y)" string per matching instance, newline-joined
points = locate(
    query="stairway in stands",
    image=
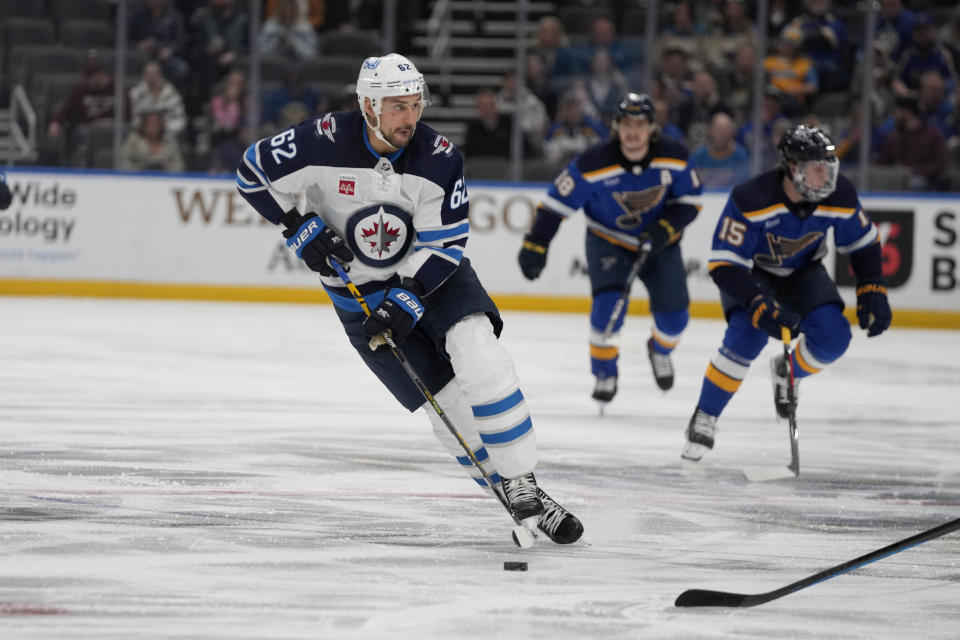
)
(464, 46)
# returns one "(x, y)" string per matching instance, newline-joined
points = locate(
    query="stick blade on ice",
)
(707, 598)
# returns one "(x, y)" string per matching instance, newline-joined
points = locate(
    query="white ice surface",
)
(212, 470)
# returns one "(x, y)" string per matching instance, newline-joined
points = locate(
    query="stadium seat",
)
(350, 43)
(332, 69)
(577, 20)
(887, 178)
(80, 9)
(486, 168)
(92, 34)
(22, 9)
(29, 61)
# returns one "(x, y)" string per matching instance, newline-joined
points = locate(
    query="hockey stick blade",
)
(707, 598)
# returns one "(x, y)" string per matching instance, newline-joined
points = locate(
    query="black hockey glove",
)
(767, 316)
(533, 257)
(658, 235)
(873, 309)
(314, 242)
(399, 312)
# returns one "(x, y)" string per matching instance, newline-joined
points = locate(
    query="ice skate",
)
(780, 378)
(522, 496)
(662, 366)
(557, 523)
(700, 434)
(604, 391)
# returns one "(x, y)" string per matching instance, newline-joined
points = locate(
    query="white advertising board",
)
(195, 230)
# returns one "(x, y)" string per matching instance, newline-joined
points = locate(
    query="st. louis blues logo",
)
(783, 248)
(380, 234)
(637, 203)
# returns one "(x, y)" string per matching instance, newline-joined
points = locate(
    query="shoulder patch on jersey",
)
(327, 125)
(441, 145)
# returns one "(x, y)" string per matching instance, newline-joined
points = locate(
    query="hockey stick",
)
(792, 400)
(707, 598)
(642, 254)
(522, 536)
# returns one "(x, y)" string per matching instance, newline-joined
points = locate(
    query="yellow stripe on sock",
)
(722, 380)
(603, 353)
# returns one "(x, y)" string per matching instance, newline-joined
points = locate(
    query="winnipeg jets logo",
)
(637, 203)
(380, 235)
(327, 125)
(441, 145)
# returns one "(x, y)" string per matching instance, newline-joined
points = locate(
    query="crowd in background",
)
(189, 108)
(703, 83)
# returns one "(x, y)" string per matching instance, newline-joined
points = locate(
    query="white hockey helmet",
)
(387, 76)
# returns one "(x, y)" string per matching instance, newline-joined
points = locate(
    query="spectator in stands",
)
(154, 94)
(926, 53)
(488, 134)
(824, 41)
(791, 72)
(917, 146)
(312, 10)
(156, 29)
(149, 148)
(228, 112)
(774, 122)
(933, 102)
(721, 162)
(733, 31)
(221, 33)
(603, 35)
(894, 28)
(292, 102)
(539, 84)
(950, 34)
(704, 102)
(953, 130)
(675, 76)
(737, 82)
(552, 46)
(573, 130)
(606, 85)
(287, 33)
(780, 14)
(92, 101)
(661, 115)
(682, 32)
(534, 120)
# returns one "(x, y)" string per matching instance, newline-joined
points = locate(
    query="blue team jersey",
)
(622, 198)
(759, 226)
(401, 215)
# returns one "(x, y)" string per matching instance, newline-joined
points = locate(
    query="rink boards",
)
(194, 237)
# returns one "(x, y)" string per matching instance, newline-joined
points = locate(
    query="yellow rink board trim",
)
(315, 295)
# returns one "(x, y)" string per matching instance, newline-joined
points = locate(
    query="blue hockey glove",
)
(873, 308)
(767, 316)
(658, 235)
(399, 312)
(314, 242)
(533, 257)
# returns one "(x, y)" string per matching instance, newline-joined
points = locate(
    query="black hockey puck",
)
(514, 566)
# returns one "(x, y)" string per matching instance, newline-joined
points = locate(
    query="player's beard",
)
(400, 141)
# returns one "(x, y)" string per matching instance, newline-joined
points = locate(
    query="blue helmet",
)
(635, 105)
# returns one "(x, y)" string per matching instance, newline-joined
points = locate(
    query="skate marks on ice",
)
(172, 470)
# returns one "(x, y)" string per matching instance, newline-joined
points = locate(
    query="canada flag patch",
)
(348, 186)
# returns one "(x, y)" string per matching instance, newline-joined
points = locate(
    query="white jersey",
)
(401, 215)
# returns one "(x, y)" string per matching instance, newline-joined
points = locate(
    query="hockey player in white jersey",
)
(384, 196)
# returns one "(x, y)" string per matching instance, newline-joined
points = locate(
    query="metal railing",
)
(25, 141)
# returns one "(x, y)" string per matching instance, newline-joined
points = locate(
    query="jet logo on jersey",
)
(784, 248)
(380, 235)
(441, 145)
(327, 125)
(637, 203)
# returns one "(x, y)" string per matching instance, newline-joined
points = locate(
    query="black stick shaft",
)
(707, 598)
(642, 255)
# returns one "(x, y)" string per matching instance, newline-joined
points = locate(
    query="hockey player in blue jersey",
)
(765, 259)
(635, 188)
(384, 196)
